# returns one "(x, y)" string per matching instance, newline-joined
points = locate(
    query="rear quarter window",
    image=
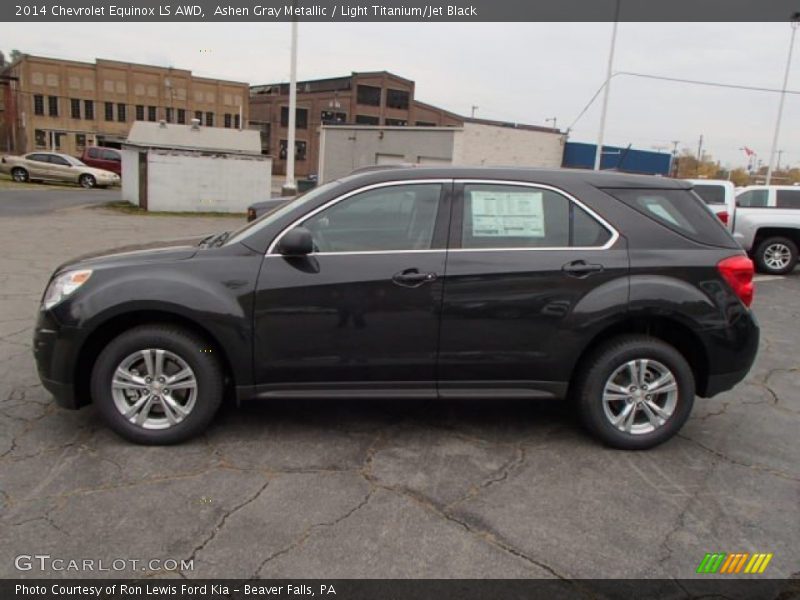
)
(788, 198)
(679, 210)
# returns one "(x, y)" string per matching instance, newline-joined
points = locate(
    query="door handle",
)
(413, 278)
(580, 268)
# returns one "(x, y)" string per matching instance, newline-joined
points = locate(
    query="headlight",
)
(64, 285)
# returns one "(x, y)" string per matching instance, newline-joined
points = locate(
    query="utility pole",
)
(795, 21)
(474, 108)
(598, 156)
(700, 149)
(778, 164)
(290, 187)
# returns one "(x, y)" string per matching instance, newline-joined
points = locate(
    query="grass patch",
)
(129, 209)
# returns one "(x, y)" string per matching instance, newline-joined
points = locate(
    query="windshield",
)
(272, 216)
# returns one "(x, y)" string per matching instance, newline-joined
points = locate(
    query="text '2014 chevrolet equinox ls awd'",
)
(623, 293)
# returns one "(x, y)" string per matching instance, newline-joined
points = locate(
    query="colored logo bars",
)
(741, 562)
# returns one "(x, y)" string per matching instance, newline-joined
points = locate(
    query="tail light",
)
(723, 216)
(738, 272)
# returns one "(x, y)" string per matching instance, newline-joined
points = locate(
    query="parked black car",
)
(623, 293)
(262, 207)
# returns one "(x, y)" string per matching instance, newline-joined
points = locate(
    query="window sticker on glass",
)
(507, 214)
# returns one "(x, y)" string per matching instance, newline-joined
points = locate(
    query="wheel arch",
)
(667, 328)
(118, 324)
(763, 233)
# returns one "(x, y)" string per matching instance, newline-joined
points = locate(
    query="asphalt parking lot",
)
(349, 489)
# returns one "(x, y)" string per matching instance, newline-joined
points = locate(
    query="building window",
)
(397, 99)
(88, 110)
(140, 112)
(367, 120)
(151, 113)
(170, 114)
(368, 95)
(80, 140)
(237, 121)
(228, 120)
(299, 150)
(122, 113)
(182, 116)
(75, 108)
(329, 117)
(396, 122)
(109, 106)
(300, 117)
(425, 124)
(198, 114)
(52, 106)
(40, 138)
(209, 119)
(38, 105)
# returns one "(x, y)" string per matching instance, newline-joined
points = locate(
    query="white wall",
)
(343, 149)
(181, 181)
(477, 144)
(130, 175)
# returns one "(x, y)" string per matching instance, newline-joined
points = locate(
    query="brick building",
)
(67, 105)
(374, 98)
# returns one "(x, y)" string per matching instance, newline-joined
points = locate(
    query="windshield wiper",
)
(215, 240)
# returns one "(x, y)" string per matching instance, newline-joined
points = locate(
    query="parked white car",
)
(767, 225)
(54, 166)
(719, 195)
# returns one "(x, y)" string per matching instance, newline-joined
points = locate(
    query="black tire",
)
(20, 175)
(770, 250)
(192, 349)
(87, 181)
(588, 390)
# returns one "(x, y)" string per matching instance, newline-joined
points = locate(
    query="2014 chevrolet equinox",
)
(622, 292)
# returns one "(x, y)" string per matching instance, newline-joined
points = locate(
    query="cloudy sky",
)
(524, 72)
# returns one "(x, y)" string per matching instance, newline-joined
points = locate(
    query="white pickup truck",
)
(767, 225)
(719, 195)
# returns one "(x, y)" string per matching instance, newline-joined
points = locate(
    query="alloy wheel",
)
(154, 388)
(777, 256)
(640, 396)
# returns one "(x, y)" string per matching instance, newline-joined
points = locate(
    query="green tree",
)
(15, 54)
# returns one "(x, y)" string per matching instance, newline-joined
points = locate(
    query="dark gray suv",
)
(621, 293)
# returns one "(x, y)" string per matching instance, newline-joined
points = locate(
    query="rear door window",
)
(788, 198)
(678, 210)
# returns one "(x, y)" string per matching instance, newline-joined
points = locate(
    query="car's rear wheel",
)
(87, 181)
(157, 385)
(776, 255)
(19, 175)
(635, 392)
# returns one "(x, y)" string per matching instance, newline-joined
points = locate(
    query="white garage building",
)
(344, 147)
(189, 168)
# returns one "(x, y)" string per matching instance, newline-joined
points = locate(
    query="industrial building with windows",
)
(373, 98)
(66, 105)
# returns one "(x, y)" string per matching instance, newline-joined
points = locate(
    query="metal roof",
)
(189, 137)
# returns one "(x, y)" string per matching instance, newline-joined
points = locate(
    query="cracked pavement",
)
(381, 488)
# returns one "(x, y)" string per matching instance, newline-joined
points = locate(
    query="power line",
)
(735, 86)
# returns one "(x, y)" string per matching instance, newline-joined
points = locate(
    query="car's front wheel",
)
(635, 392)
(776, 255)
(157, 384)
(87, 181)
(19, 175)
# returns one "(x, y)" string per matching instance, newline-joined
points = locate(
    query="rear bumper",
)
(734, 364)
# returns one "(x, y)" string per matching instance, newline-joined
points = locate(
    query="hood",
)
(98, 172)
(136, 253)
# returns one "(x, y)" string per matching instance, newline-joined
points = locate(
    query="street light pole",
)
(599, 150)
(795, 21)
(289, 187)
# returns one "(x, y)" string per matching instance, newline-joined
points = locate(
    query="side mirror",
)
(296, 242)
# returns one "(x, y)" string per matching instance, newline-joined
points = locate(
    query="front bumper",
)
(55, 350)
